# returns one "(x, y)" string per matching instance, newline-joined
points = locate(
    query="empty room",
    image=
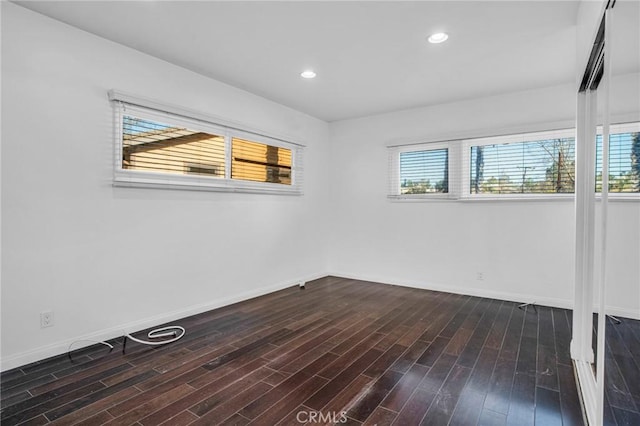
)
(320, 213)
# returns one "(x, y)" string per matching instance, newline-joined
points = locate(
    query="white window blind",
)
(419, 171)
(259, 162)
(537, 164)
(423, 172)
(149, 145)
(158, 148)
(528, 165)
(624, 159)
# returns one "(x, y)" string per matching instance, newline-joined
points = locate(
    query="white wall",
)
(523, 248)
(106, 259)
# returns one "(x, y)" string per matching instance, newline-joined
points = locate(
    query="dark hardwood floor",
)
(622, 372)
(341, 351)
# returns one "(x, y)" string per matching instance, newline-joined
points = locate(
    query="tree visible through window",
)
(531, 167)
(529, 163)
(423, 172)
(624, 162)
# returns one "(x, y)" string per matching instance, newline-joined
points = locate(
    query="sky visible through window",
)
(424, 171)
(134, 126)
(623, 172)
(529, 167)
(523, 167)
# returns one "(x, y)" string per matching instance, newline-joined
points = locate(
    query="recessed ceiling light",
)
(438, 37)
(308, 74)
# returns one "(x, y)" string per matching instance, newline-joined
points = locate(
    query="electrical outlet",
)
(46, 319)
(480, 276)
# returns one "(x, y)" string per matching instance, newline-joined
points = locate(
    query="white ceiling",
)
(370, 57)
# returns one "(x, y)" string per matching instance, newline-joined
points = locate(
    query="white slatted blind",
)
(260, 162)
(624, 160)
(425, 171)
(162, 149)
(149, 145)
(529, 164)
(419, 171)
(537, 166)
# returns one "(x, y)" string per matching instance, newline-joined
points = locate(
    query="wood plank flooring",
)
(339, 352)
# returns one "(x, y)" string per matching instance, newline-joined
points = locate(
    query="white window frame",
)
(151, 110)
(460, 167)
(622, 128)
(615, 129)
(394, 171)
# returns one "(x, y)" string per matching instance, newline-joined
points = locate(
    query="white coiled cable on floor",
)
(172, 330)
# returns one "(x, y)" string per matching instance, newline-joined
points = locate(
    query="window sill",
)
(613, 197)
(421, 198)
(131, 180)
(519, 197)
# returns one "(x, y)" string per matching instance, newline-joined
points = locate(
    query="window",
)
(528, 165)
(624, 159)
(157, 148)
(260, 162)
(420, 170)
(423, 172)
(522, 165)
(152, 146)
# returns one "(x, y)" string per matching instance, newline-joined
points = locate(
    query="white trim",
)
(489, 133)
(519, 197)
(395, 189)
(227, 157)
(620, 123)
(604, 212)
(621, 127)
(431, 196)
(623, 312)
(196, 121)
(119, 96)
(58, 348)
(586, 388)
(459, 158)
(481, 292)
(521, 137)
(620, 196)
(429, 146)
(467, 291)
(584, 220)
(614, 197)
(245, 187)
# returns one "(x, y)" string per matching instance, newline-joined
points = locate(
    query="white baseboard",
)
(622, 312)
(482, 292)
(468, 291)
(43, 352)
(58, 348)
